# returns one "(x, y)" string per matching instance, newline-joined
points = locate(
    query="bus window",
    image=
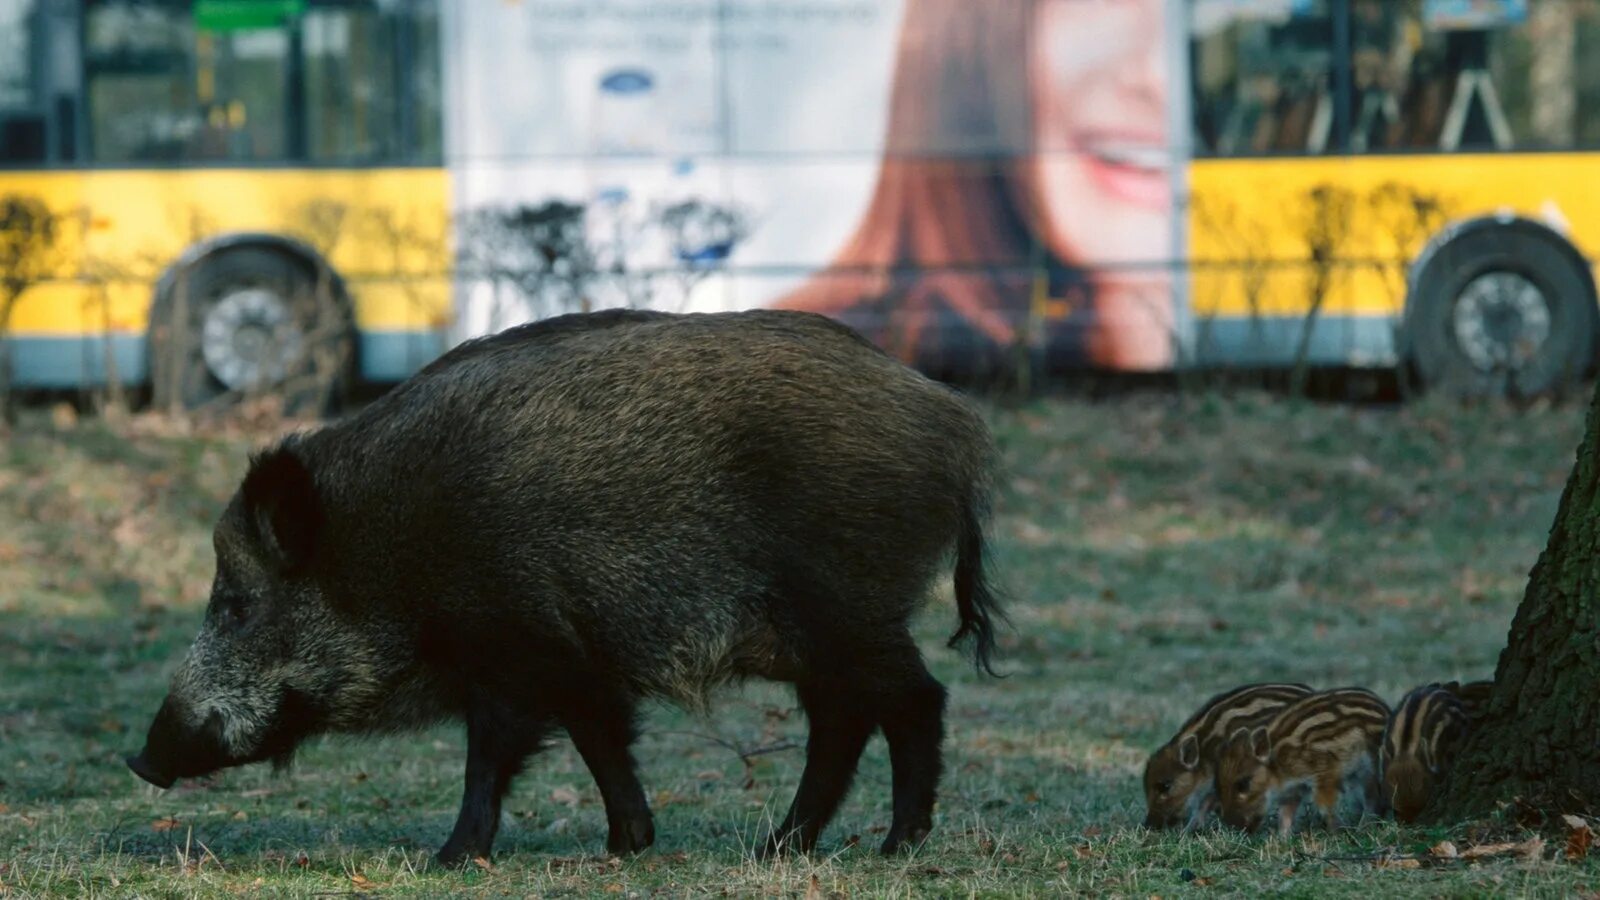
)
(341, 82)
(242, 88)
(372, 81)
(423, 111)
(351, 102)
(22, 123)
(1262, 77)
(1516, 75)
(138, 69)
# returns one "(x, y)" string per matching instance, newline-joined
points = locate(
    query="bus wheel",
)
(249, 321)
(1501, 312)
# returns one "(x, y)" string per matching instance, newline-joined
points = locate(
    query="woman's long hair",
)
(943, 262)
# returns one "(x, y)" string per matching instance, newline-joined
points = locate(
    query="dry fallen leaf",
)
(1531, 849)
(362, 882)
(1580, 837)
(1444, 850)
(565, 796)
(1483, 850)
(483, 863)
(164, 824)
(1404, 862)
(814, 889)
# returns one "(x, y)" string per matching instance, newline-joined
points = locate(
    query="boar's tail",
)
(976, 601)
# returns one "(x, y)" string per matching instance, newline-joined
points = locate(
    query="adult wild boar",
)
(547, 525)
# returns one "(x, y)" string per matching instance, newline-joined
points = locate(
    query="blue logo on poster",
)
(1474, 14)
(626, 81)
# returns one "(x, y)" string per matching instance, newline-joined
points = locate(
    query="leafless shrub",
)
(28, 235)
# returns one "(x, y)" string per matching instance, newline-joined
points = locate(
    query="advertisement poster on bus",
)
(958, 180)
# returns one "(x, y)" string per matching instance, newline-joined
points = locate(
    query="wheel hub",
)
(1501, 321)
(249, 338)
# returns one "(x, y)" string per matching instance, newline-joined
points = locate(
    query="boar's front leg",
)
(602, 735)
(498, 742)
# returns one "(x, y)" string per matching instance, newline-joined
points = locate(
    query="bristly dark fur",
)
(549, 525)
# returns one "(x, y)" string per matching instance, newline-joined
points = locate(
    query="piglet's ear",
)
(1261, 745)
(1189, 751)
(280, 502)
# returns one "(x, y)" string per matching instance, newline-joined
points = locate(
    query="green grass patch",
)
(1157, 550)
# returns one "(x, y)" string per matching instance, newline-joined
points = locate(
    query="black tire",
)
(273, 329)
(1501, 311)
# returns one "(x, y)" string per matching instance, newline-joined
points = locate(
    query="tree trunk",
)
(1539, 740)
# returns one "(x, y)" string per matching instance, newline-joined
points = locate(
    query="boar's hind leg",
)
(602, 736)
(498, 742)
(913, 724)
(840, 724)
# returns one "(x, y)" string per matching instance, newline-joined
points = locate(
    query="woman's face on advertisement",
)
(1099, 85)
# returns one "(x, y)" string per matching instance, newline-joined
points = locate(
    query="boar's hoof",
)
(631, 836)
(901, 841)
(779, 845)
(454, 857)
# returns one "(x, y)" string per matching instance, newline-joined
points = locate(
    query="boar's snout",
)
(173, 750)
(144, 768)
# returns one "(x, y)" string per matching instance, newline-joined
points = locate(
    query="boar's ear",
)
(1189, 751)
(281, 504)
(1261, 744)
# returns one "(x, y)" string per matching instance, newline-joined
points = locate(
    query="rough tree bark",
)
(1540, 737)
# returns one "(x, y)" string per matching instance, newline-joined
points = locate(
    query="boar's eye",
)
(233, 610)
(1242, 785)
(1164, 787)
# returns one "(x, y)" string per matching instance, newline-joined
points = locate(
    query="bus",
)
(196, 196)
(1124, 185)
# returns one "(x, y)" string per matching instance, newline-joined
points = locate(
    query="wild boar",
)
(546, 526)
(1325, 744)
(1474, 697)
(1179, 777)
(1420, 745)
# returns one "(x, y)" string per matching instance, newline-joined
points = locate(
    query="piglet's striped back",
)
(1323, 716)
(1246, 706)
(1428, 721)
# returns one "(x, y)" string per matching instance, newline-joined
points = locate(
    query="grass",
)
(1158, 550)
